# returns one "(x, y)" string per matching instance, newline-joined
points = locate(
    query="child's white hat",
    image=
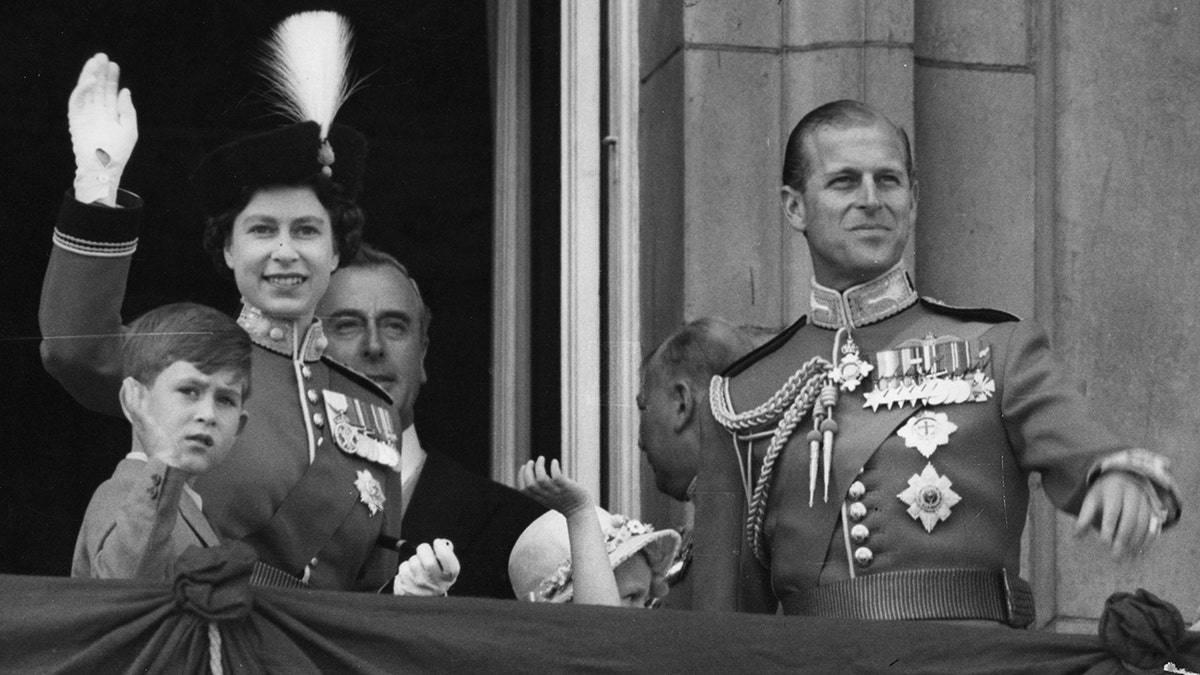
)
(540, 564)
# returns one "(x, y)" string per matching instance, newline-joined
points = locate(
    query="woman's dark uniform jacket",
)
(1035, 421)
(300, 518)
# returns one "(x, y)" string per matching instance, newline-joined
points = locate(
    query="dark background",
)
(426, 114)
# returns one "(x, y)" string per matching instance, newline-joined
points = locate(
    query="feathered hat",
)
(306, 63)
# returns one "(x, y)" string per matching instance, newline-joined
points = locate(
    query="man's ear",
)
(683, 405)
(793, 207)
(242, 422)
(424, 349)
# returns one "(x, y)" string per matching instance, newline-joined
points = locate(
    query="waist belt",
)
(921, 594)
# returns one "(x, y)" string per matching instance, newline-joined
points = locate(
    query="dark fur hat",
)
(287, 155)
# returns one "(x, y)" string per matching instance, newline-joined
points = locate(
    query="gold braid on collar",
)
(868, 303)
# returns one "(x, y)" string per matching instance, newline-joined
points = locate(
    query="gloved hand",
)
(431, 571)
(103, 126)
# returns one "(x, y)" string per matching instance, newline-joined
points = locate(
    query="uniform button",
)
(320, 440)
(312, 396)
(857, 490)
(859, 533)
(313, 562)
(321, 343)
(318, 419)
(306, 372)
(275, 333)
(863, 556)
(858, 511)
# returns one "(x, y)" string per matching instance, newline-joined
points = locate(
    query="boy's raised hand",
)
(150, 436)
(552, 488)
(103, 124)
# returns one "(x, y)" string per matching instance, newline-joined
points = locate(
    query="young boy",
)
(187, 376)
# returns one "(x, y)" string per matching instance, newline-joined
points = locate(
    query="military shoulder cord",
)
(808, 389)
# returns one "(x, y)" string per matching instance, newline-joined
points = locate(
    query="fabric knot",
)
(214, 583)
(1140, 629)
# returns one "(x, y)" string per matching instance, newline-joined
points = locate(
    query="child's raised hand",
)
(431, 571)
(552, 488)
(150, 435)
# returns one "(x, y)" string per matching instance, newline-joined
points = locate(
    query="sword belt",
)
(947, 594)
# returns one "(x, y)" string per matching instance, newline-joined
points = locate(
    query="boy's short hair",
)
(185, 331)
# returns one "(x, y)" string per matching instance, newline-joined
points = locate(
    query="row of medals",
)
(358, 440)
(926, 372)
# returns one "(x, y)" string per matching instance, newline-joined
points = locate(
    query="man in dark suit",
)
(377, 323)
(671, 420)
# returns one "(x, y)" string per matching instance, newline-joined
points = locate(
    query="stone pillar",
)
(1127, 246)
(1057, 145)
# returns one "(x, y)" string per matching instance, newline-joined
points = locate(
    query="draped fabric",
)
(89, 626)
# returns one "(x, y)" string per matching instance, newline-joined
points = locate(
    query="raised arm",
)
(80, 312)
(591, 573)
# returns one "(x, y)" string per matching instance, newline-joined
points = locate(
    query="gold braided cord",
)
(214, 649)
(801, 406)
(772, 408)
(789, 405)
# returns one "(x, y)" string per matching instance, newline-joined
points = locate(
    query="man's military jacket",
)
(310, 503)
(939, 482)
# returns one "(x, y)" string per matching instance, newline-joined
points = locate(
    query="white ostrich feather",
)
(306, 62)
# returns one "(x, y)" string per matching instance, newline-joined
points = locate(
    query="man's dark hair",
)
(369, 256)
(700, 350)
(185, 331)
(842, 114)
(346, 221)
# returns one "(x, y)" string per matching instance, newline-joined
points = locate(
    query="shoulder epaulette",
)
(358, 378)
(768, 347)
(984, 314)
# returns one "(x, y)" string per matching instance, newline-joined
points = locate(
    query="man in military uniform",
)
(673, 420)
(378, 324)
(884, 441)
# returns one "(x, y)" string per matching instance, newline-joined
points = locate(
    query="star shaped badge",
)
(926, 431)
(929, 497)
(369, 491)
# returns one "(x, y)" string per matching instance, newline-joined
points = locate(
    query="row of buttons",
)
(859, 533)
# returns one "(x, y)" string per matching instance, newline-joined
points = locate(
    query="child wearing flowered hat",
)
(580, 553)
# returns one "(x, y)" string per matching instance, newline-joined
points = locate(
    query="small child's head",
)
(540, 564)
(191, 366)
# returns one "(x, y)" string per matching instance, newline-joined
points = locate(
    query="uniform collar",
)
(280, 335)
(885, 295)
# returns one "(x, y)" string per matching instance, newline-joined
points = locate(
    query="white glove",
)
(103, 126)
(431, 571)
